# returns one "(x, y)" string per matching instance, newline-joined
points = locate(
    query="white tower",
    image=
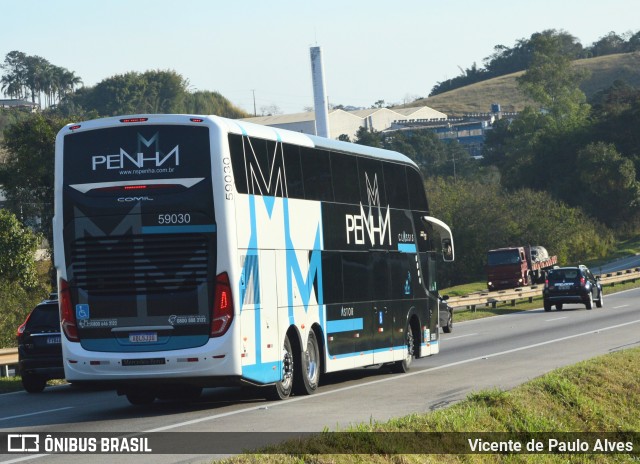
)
(319, 96)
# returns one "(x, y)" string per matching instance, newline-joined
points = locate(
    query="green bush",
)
(483, 216)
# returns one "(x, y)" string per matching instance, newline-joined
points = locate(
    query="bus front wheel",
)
(405, 365)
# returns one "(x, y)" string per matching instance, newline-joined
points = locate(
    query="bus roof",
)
(250, 129)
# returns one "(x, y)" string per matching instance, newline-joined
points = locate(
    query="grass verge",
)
(598, 396)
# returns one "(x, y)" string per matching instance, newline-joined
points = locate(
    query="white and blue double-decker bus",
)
(196, 251)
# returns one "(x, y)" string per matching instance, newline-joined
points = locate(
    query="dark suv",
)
(572, 285)
(446, 314)
(39, 349)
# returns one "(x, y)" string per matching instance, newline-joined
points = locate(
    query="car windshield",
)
(496, 258)
(558, 275)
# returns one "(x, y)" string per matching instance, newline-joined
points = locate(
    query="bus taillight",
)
(67, 315)
(222, 307)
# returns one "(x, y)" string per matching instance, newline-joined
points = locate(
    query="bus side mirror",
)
(447, 250)
(446, 237)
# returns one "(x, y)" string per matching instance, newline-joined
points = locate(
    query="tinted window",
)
(395, 181)
(44, 317)
(558, 275)
(380, 277)
(257, 159)
(345, 178)
(136, 152)
(357, 277)
(417, 196)
(371, 182)
(332, 277)
(237, 161)
(496, 258)
(316, 174)
(293, 171)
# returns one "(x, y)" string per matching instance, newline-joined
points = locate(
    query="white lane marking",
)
(459, 336)
(556, 319)
(35, 413)
(618, 307)
(352, 387)
(388, 379)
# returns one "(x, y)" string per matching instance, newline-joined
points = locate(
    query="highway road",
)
(621, 264)
(498, 352)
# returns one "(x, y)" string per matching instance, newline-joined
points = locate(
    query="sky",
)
(372, 50)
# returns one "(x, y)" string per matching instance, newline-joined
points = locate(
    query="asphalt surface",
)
(498, 352)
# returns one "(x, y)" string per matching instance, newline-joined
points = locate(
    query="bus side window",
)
(344, 173)
(237, 162)
(293, 171)
(417, 196)
(316, 174)
(371, 181)
(395, 181)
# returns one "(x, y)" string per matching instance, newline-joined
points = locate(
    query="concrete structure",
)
(12, 103)
(321, 105)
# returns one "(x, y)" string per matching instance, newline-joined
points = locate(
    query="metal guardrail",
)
(493, 298)
(9, 356)
(8, 360)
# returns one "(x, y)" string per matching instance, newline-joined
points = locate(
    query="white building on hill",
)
(348, 122)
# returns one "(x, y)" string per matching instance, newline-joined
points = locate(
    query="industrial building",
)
(348, 122)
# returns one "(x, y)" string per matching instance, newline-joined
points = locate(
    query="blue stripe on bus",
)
(179, 229)
(267, 372)
(407, 247)
(175, 342)
(345, 325)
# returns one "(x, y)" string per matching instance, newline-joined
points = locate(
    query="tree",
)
(371, 138)
(270, 110)
(484, 216)
(33, 76)
(14, 81)
(608, 45)
(609, 190)
(148, 92)
(553, 83)
(131, 93)
(507, 60)
(205, 102)
(27, 172)
(17, 251)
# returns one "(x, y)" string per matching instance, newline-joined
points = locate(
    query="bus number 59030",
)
(174, 218)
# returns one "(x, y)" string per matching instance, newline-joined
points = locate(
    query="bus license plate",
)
(143, 337)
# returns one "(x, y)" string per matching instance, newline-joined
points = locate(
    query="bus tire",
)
(281, 390)
(307, 367)
(403, 366)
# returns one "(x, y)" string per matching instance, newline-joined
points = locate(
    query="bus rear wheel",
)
(281, 390)
(307, 367)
